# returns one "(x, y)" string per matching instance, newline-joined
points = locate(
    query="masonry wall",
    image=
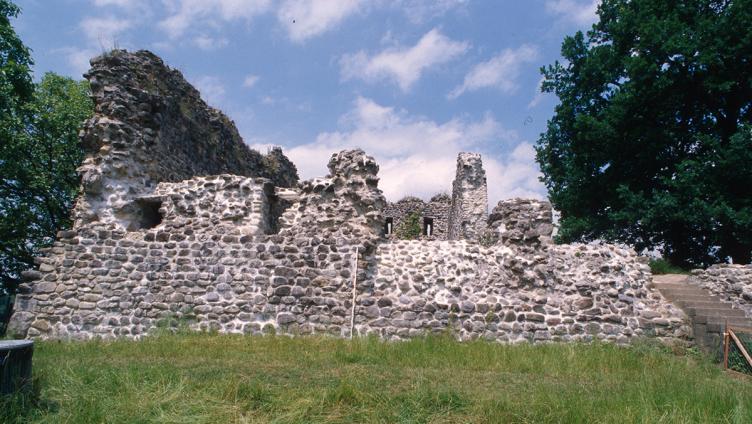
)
(156, 241)
(208, 264)
(300, 281)
(438, 209)
(731, 283)
(151, 126)
(423, 287)
(107, 285)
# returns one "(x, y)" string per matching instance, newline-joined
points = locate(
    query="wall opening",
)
(428, 227)
(388, 226)
(149, 216)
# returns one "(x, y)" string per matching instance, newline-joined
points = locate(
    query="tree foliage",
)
(39, 153)
(651, 143)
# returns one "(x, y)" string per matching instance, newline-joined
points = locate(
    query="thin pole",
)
(725, 345)
(354, 292)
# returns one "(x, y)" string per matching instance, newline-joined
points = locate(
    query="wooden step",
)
(681, 285)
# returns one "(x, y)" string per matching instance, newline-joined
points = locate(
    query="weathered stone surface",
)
(467, 219)
(151, 126)
(732, 283)
(437, 210)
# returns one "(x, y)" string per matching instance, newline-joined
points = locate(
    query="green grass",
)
(662, 266)
(203, 378)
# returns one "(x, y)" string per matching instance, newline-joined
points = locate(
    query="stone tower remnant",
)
(151, 126)
(469, 212)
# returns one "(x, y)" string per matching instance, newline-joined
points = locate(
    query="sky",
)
(411, 82)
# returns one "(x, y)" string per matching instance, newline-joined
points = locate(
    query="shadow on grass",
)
(26, 405)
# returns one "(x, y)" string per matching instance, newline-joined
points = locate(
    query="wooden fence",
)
(737, 344)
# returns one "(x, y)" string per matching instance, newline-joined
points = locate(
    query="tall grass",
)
(202, 378)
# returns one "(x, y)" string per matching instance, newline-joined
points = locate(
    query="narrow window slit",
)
(428, 227)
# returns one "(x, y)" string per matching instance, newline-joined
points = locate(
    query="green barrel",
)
(15, 365)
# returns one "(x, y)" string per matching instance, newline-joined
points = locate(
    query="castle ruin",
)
(179, 222)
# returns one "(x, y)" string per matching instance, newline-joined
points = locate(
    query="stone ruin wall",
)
(151, 126)
(241, 254)
(108, 285)
(437, 208)
(731, 283)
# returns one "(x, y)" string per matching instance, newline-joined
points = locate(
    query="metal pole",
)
(725, 345)
(354, 293)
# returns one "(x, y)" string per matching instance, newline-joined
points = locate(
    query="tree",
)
(39, 178)
(39, 154)
(16, 90)
(652, 140)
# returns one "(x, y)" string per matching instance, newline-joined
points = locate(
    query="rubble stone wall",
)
(208, 265)
(201, 266)
(179, 223)
(151, 126)
(106, 285)
(731, 283)
(438, 209)
(421, 287)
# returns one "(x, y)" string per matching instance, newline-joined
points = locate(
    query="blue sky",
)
(411, 82)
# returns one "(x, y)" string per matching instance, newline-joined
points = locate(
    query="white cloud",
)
(184, 14)
(417, 156)
(539, 94)
(304, 19)
(516, 175)
(250, 80)
(403, 65)
(501, 71)
(419, 11)
(578, 12)
(206, 42)
(211, 88)
(125, 4)
(104, 30)
(78, 59)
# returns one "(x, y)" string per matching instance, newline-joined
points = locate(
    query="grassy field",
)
(203, 378)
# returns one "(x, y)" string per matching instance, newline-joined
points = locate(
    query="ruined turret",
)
(467, 219)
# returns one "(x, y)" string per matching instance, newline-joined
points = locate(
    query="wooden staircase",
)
(708, 313)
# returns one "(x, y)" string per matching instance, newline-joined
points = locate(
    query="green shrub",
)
(409, 228)
(662, 266)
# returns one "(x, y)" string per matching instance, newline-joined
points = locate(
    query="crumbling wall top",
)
(151, 126)
(345, 204)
